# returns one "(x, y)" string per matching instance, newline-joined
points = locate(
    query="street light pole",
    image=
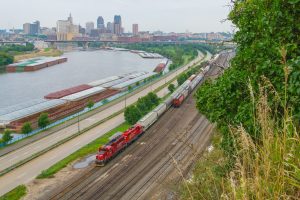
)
(125, 99)
(78, 125)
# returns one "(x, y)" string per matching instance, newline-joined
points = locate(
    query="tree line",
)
(143, 106)
(7, 52)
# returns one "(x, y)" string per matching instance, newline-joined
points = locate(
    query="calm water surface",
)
(82, 67)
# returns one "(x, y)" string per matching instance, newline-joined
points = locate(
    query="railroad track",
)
(130, 174)
(109, 166)
(165, 160)
(78, 190)
(165, 168)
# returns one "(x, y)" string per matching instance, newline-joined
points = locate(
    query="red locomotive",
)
(177, 101)
(117, 143)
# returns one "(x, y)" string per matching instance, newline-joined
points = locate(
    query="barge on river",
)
(34, 64)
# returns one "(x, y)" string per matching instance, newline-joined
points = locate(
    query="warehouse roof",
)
(115, 82)
(132, 81)
(20, 106)
(102, 81)
(83, 94)
(66, 92)
(30, 110)
(137, 74)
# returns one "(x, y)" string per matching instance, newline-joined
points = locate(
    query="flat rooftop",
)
(23, 110)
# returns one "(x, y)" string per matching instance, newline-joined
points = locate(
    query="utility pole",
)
(125, 99)
(78, 125)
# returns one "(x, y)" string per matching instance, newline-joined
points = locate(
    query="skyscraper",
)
(26, 28)
(32, 29)
(117, 25)
(110, 27)
(35, 27)
(66, 30)
(135, 29)
(100, 23)
(89, 26)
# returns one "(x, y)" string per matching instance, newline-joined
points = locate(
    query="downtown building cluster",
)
(68, 30)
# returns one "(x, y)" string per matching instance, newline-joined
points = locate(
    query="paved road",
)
(31, 169)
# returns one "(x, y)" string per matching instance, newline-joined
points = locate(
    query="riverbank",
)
(48, 52)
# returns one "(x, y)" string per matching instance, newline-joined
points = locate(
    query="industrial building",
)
(63, 103)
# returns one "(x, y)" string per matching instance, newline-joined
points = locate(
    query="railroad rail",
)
(147, 161)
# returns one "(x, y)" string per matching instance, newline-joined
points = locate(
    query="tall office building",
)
(135, 29)
(66, 30)
(110, 27)
(32, 29)
(35, 27)
(100, 23)
(81, 30)
(117, 25)
(26, 28)
(89, 26)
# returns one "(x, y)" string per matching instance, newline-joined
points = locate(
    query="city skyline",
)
(167, 15)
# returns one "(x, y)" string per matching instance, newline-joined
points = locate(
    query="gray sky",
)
(152, 15)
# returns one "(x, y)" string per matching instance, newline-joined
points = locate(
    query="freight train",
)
(120, 141)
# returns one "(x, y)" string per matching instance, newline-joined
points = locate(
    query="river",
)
(82, 67)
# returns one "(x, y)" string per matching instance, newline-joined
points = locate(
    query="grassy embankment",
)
(15, 194)
(44, 52)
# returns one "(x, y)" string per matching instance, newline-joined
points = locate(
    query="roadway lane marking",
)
(77, 143)
(25, 153)
(53, 157)
(21, 175)
(13, 158)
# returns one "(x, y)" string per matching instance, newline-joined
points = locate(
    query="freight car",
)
(120, 141)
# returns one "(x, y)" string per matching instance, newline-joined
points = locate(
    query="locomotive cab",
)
(102, 155)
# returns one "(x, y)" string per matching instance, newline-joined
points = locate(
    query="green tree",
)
(143, 106)
(153, 98)
(90, 104)
(182, 78)
(129, 88)
(43, 120)
(5, 59)
(26, 128)
(137, 83)
(171, 87)
(132, 114)
(7, 136)
(105, 101)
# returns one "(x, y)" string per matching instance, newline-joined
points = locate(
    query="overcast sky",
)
(152, 15)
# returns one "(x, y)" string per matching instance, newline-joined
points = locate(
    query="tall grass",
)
(270, 168)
